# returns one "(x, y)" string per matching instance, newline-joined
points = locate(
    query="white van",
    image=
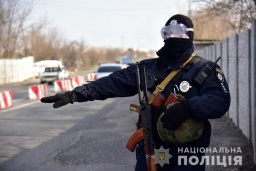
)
(40, 66)
(53, 70)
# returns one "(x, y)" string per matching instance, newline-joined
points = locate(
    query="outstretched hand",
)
(58, 100)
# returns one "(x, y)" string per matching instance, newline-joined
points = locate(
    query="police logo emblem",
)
(184, 86)
(174, 22)
(162, 156)
(220, 77)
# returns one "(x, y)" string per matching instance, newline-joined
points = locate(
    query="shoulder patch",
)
(219, 70)
(220, 74)
(221, 78)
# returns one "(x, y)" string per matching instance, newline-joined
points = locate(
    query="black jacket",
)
(208, 101)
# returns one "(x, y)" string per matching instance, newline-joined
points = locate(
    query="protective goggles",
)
(175, 30)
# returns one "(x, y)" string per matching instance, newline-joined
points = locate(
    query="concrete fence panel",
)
(218, 53)
(243, 82)
(239, 66)
(252, 82)
(206, 53)
(224, 58)
(213, 53)
(16, 70)
(232, 68)
(209, 56)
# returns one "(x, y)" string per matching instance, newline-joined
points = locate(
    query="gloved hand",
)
(58, 99)
(176, 115)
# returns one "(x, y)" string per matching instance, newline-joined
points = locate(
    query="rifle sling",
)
(161, 87)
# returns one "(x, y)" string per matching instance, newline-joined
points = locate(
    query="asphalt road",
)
(20, 90)
(86, 136)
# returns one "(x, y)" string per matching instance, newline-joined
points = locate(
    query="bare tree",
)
(35, 40)
(81, 55)
(54, 40)
(13, 14)
(92, 55)
(237, 15)
(210, 28)
(43, 42)
(69, 54)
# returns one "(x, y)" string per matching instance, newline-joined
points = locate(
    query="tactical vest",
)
(158, 78)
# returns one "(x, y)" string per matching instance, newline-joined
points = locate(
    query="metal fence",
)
(16, 70)
(238, 63)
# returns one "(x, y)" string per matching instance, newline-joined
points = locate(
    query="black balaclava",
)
(177, 49)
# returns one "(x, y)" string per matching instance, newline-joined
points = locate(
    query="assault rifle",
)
(155, 99)
(144, 110)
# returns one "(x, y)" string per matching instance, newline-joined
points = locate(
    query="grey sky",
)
(111, 23)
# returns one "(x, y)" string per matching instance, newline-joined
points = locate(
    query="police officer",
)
(201, 84)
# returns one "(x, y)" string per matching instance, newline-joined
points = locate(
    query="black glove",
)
(176, 115)
(59, 99)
